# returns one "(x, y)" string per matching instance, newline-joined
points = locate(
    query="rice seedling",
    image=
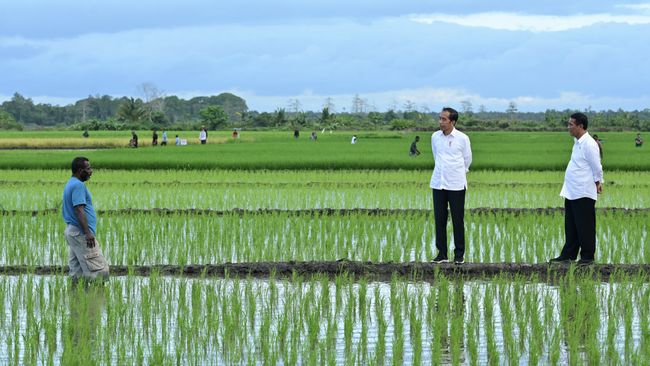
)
(292, 190)
(146, 239)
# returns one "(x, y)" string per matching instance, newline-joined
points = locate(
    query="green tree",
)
(264, 119)
(390, 115)
(21, 108)
(298, 120)
(7, 122)
(375, 118)
(326, 116)
(279, 118)
(214, 116)
(131, 111)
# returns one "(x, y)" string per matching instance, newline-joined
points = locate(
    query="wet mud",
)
(378, 271)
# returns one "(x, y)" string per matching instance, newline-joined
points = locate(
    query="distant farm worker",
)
(85, 134)
(600, 145)
(582, 184)
(313, 136)
(413, 151)
(638, 141)
(178, 140)
(235, 134)
(85, 257)
(164, 139)
(354, 139)
(452, 155)
(134, 140)
(154, 138)
(203, 136)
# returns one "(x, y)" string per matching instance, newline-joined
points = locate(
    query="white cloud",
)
(642, 7)
(529, 23)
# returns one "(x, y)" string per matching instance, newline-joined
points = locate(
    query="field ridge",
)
(381, 271)
(323, 211)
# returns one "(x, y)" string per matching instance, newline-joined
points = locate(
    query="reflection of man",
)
(85, 256)
(582, 183)
(453, 156)
(86, 310)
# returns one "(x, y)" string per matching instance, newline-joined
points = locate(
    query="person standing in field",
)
(638, 141)
(582, 184)
(154, 138)
(85, 258)
(134, 139)
(203, 136)
(452, 155)
(164, 139)
(600, 145)
(413, 150)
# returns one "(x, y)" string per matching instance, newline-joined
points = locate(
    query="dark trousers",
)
(455, 200)
(579, 228)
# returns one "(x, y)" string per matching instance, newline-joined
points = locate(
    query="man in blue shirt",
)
(85, 256)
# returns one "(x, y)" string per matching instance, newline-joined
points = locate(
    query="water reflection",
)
(298, 321)
(580, 321)
(87, 305)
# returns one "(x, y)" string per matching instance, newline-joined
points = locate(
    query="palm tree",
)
(131, 111)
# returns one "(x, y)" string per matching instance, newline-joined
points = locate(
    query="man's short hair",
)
(78, 163)
(453, 114)
(580, 119)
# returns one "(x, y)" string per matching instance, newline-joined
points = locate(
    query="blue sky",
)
(541, 55)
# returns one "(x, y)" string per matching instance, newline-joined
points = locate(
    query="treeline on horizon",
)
(227, 111)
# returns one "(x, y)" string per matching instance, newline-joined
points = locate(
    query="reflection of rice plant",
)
(294, 321)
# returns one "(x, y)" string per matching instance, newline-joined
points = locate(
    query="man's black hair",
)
(453, 114)
(580, 119)
(78, 163)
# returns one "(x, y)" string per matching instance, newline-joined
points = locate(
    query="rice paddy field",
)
(268, 198)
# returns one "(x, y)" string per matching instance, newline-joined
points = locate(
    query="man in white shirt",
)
(452, 154)
(582, 184)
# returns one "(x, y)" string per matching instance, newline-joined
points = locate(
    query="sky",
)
(550, 54)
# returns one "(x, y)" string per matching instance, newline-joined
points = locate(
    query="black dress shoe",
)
(561, 259)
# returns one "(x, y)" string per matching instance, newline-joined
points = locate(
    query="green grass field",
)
(279, 150)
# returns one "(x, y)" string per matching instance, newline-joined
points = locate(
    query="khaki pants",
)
(83, 261)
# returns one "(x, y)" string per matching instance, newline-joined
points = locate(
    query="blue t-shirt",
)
(74, 194)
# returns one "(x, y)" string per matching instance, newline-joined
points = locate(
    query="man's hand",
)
(90, 240)
(599, 187)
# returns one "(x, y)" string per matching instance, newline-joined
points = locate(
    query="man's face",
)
(444, 121)
(574, 130)
(85, 172)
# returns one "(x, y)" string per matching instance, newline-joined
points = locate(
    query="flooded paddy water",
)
(304, 320)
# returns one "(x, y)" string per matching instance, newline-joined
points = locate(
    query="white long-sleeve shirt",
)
(583, 171)
(203, 135)
(453, 156)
